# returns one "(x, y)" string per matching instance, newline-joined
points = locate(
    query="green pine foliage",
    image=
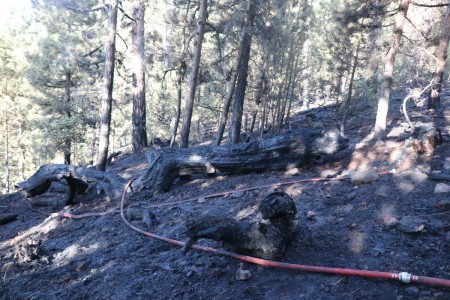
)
(52, 62)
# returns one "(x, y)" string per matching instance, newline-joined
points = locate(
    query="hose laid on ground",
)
(402, 276)
(270, 185)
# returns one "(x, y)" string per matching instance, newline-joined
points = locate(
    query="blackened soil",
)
(49, 257)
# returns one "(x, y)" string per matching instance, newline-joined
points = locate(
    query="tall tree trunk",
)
(227, 101)
(68, 142)
(434, 97)
(238, 106)
(289, 73)
(180, 76)
(230, 91)
(7, 170)
(105, 122)
(307, 4)
(193, 76)
(386, 85)
(292, 89)
(350, 89)
(181, 73)
(138, 76)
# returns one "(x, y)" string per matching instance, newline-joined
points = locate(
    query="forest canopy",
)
(186, 71)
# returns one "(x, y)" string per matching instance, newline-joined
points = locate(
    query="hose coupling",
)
(404, 277)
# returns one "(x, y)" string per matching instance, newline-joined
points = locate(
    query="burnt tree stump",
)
(281, 152)
(77, 178)
(266, 238)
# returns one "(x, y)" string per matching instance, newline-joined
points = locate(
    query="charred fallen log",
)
(266, 238)
(281, 152)
(77, 178)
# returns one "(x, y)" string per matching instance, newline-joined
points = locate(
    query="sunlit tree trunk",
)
(434, 97)
(138, 77)
(386, 85)
(105, 114)
(238, 106)
(186, 127)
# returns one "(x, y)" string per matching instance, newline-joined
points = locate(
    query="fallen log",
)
(281, 152)
(77, 178)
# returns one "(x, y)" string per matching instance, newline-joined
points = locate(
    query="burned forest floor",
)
(396, 223)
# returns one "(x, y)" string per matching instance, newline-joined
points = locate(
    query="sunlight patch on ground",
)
(409, 180)
(294, 190)
(43, 228)
(387, 211)
(72, 252)
(356, 244)
(243, 213)
(195, 158)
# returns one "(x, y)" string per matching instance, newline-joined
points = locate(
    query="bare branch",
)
(429, 5)
(413, 95)
(415, 27)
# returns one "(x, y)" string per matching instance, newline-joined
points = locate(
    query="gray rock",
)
(410, 224)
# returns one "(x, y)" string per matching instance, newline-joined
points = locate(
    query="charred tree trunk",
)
(138, 77)
(279, 153)
(189, 107)
(386, 85)
(238, 106)
(77, 179)
(105, 114)
(434, 98)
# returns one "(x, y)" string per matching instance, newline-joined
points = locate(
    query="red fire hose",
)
(402, 276)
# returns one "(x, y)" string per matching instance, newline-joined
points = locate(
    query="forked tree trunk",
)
(386, 85)
(105, 114)
(138, 77)
(189, 107)
(434, 97)
(290, 150)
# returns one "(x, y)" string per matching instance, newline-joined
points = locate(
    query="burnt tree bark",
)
(434, 97)
(278, 153)
(77, 179)
(138, 77)
(107, 92)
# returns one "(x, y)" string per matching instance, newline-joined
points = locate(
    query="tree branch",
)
(429, 5)
(423, 34)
